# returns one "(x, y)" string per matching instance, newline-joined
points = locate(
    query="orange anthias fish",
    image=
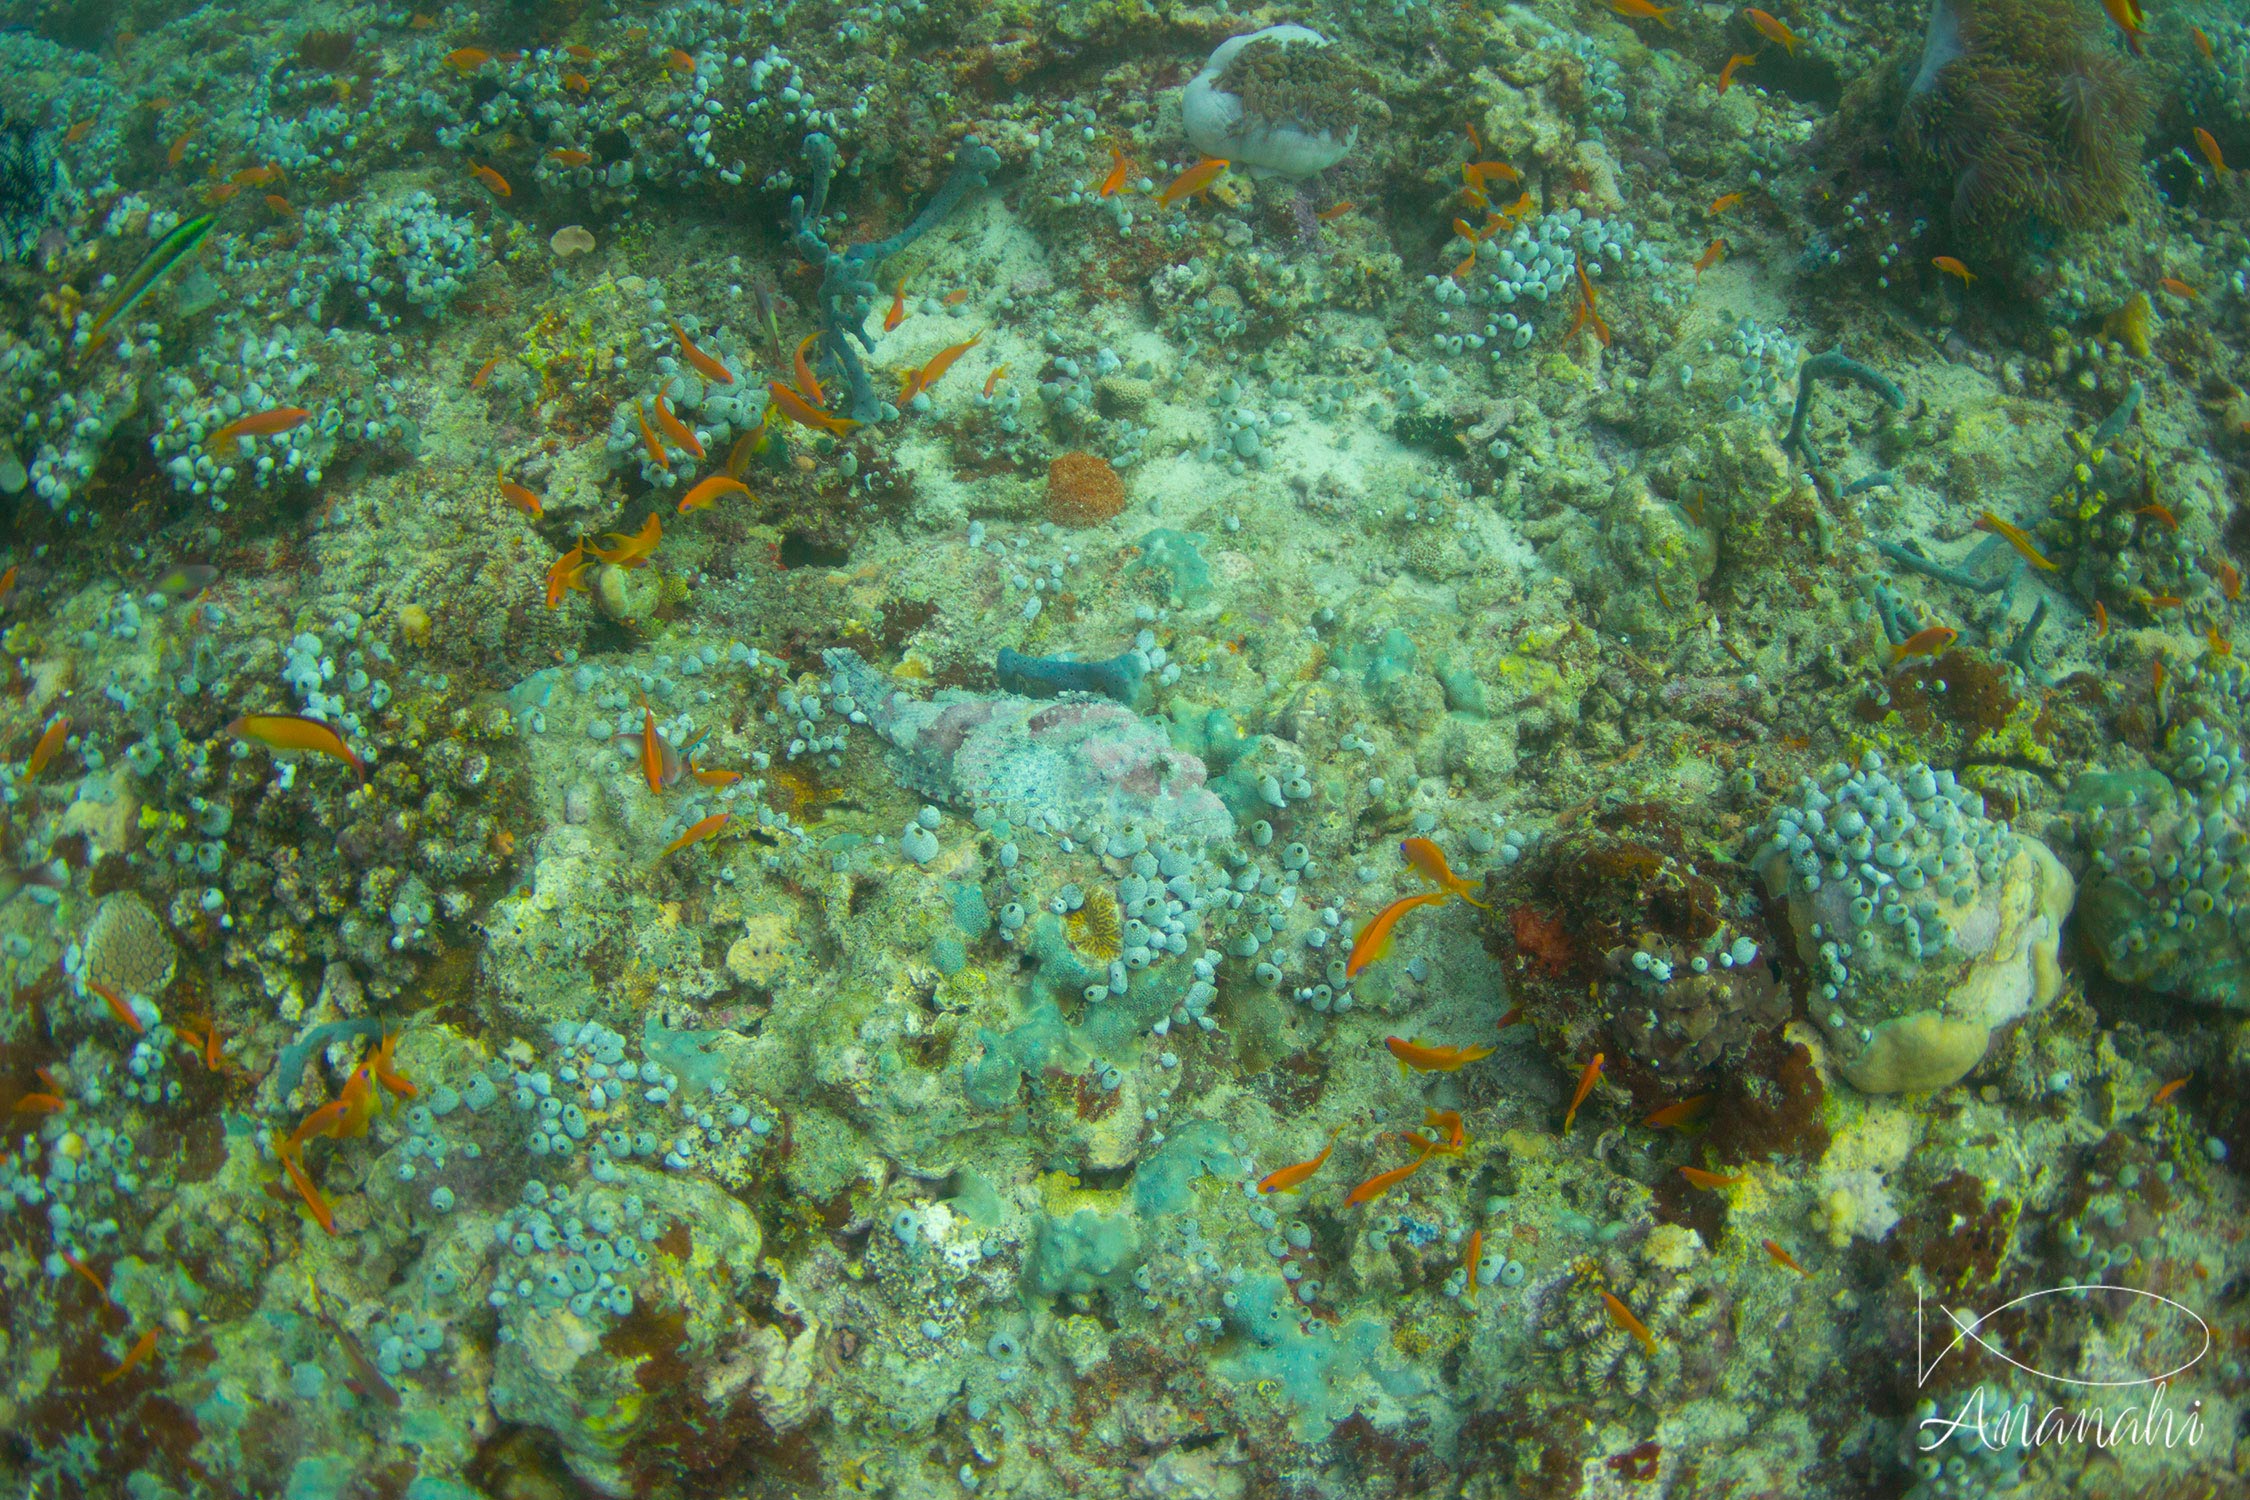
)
(2230, 580)
(680, 434)
(2016, 538)
(632, 551)
(1623, 1317)
(1703, 1179)
(1721, 204)
(1194, 180)
(2131, 20)
(797, 409)
(702, 830)
(1588, 309)
(1951, 265)
(1678, 1113)
(50, 741)
(2169, 1090)
(326, 1120)
(1428, 861)
(1451, 1136)
(1782, 1257)
(578, 83)
(565, 156)
(1642, 10)
(2101, 619)
(1415, 1057)
(1471, 1260)
(807, 381)
(37, 1104)
(305, 1189)
(1477, 173)
(1739, 60)
(897, 314)
(2160, 514)
(466, 60)
(93, 1277)
(493, 182)
(652, 749)
(1382, 1182)
(271, 423)
(296, 732)
(939, 363)
(567, 573)
(1288, 1179)
(1771, 28)
(1334, 212)
(484, 372)
(118, 1006)
(142, 1348)
(1586, 1081)
(2202, 44)
(649, 443)
(1375, 938)
(382, 1064)
(521, 498)
(698, 361)
(1713, 253)
(992, 381)
(707, 492)
(956, 297)
(1120, 166)
(2178, 288)
(1935, 641)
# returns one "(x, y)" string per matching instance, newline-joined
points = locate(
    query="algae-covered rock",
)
(1926, 925)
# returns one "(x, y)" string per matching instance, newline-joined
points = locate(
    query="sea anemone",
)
(2021, 111)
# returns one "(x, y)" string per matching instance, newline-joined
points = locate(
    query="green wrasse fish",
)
(169, 252)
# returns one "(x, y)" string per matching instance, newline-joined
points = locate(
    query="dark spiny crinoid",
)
(2023, 112)
(27, 181)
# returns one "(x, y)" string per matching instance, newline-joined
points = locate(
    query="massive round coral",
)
(1083, 490)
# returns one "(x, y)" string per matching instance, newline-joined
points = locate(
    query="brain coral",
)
(127, 947)
(1083, 490)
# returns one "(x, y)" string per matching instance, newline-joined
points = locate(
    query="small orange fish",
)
(271, 423)
(807, 382)
(2169, 1090)
(2230, 580)
(1782, 1257)
(321, 1213)
(897, 314)
(1477, 173)
(256, 176)
(1713, 253)
(1952, 266)
(1416, 1057)
(1334, 212)
(633, 549)
(1471, 1260)
(484, 373)
(2016, 538)
(695, 835)
(1428, 861)
(2220, 645)
(207, 1045)
(220, 192)
(296, 732)
(579, 52)
(1642, 10)
(578, 83)
(680, 62)
(1703, 1179)
(749, 446)
(2101, 620)
(178, 149)
(326, 1120)
(567, 573)
(939, 363)
(1588, 305)
(1771, 28)
(2202, 43)
(78, 132)
(1461, 271)
(956, 297)
(1586, 1081)
(1375, 938)
(714, 776)
(2163, 601)
(521, 498)
(8, 585)
(680, 434)
(564, 156)
(1194, 180)
(1933, 641)
(281, 205)
(1511, 1016)
(117, 1007)
(1119, 167)
(1623, 1317)
(1721, 204)
(1452, 1135)
(649, 444)
(2160, 514)
(380, 1063)
(494, 183)
(1461, 228)
(2131, 20)
(2178, 288)
(93, 1278)
(1288, 1179)
(1678, 1113)
(992, 381)
(707, 492)
(50, 741)
(143, 1346)
(1739, 60)
(804, 413)
(466, 60)
(37, 1104)
(1382, 1182)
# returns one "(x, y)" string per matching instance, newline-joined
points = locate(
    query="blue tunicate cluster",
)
(584, 1250)
(1896, 860)
(404, 1341)
(256, 375)
(383, 254)
(1767, 361)
(77, 1177)
(1517, 279)
(614, 1103)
